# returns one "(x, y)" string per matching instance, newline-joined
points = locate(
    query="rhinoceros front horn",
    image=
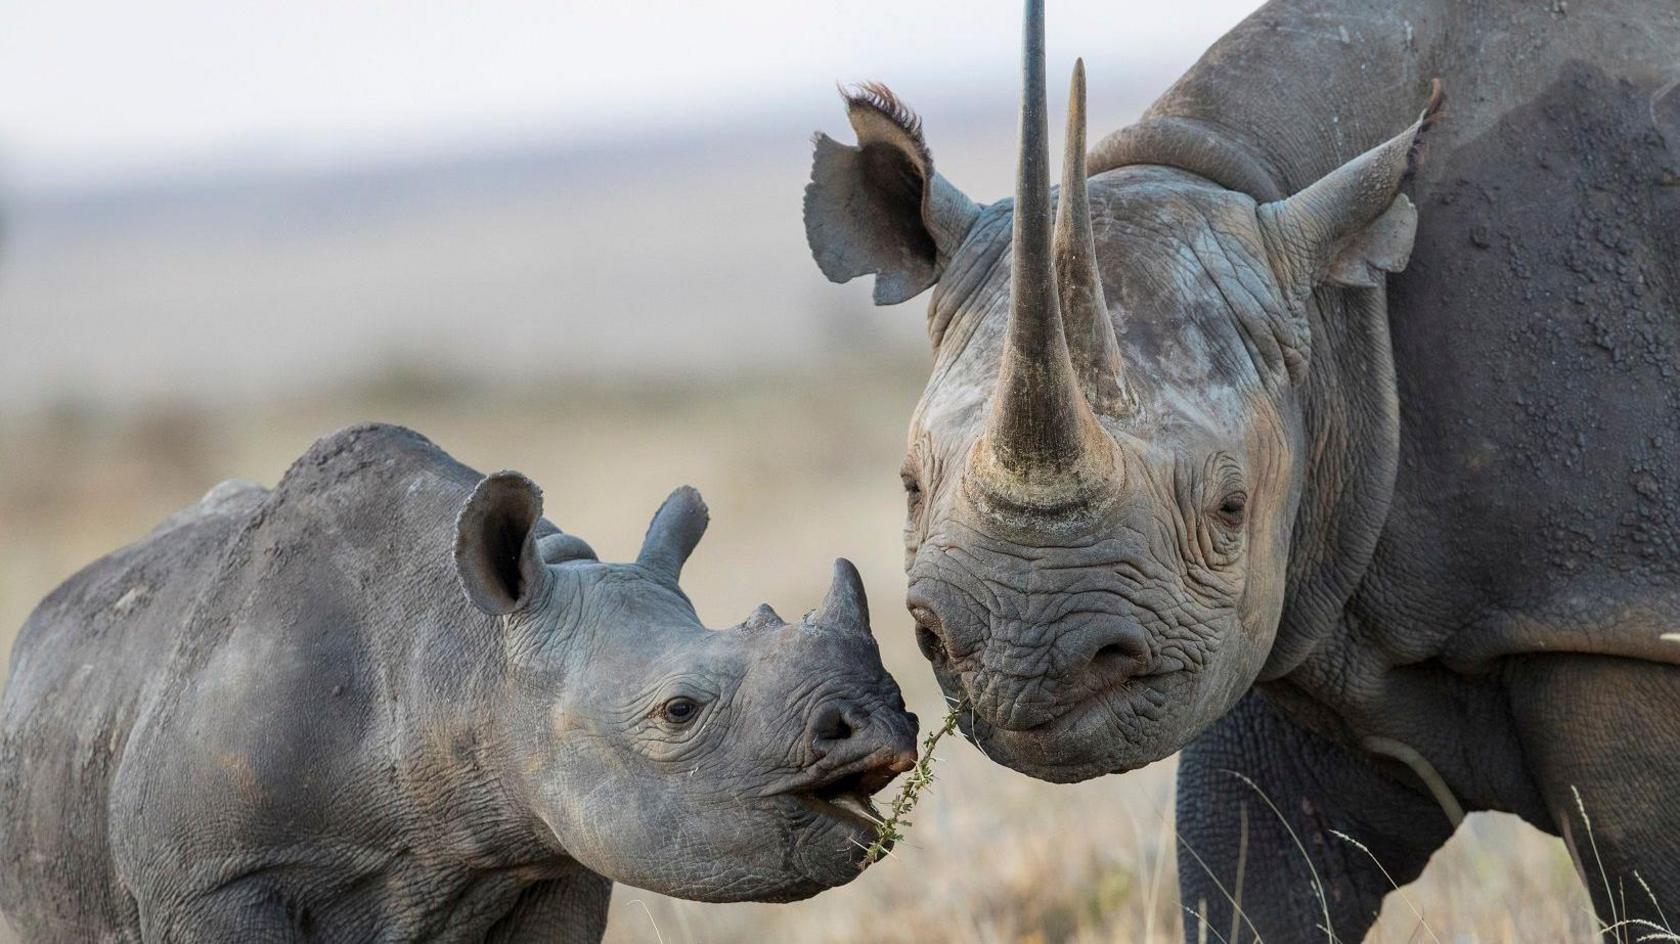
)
(845, 607)
(1042, 446)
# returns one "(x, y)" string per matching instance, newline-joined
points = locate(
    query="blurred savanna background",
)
(566, 238)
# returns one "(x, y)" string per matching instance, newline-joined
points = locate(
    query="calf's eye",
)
(679, 710)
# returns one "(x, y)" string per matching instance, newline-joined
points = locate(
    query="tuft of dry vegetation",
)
(889, 831)
(797, 469)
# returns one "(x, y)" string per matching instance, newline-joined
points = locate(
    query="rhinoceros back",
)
(82, 668)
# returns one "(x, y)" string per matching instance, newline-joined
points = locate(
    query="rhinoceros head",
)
(718, 765)
(1105, 469)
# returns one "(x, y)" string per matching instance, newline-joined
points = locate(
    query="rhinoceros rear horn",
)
(1079, 289)
(676, 528)
(496, 554)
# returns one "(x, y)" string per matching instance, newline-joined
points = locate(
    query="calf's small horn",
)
(763, 615)
(845, 607)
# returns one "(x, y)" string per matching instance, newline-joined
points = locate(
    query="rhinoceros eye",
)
(680, 710)
(912, 493)
(1233, 509)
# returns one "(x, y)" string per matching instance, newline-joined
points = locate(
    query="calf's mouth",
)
(844, 792)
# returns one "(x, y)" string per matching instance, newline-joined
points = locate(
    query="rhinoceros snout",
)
(1021, 674)
(844, 731)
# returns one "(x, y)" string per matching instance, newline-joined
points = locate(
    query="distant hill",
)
(535, 259)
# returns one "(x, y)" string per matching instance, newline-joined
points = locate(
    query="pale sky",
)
(96, 87)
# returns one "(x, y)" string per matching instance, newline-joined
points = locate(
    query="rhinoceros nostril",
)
(830, 724)
(932, 647)
(1120, 655)
(1111, 653)
(928, 633)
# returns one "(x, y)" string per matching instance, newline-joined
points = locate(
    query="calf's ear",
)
(878, 208)
(674, 532)
(1353, 226)
(555, 546)
(496, 552)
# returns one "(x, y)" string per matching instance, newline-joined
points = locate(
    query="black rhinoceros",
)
(279, 718)
(1209, 464)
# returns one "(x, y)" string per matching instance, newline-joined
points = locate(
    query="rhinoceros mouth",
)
(844, 792)
(999, 712)
(843, 802)
(1126, 694)
(1109, 730)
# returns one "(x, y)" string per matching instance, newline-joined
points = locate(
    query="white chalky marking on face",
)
(131, 599)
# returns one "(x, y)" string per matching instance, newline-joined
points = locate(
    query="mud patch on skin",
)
(238, 768)
(1566, 385)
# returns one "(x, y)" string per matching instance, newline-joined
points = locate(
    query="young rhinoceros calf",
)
(279, 718)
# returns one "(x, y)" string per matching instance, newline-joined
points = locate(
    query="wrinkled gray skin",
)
(1339, 445)
(279, 718)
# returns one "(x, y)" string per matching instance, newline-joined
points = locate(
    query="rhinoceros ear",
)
(1353, 226)
(879, 208)
(496, 552)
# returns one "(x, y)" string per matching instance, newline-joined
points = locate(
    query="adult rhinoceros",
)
(1210, 466)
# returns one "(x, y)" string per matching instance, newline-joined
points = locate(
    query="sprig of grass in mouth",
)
(891, 829)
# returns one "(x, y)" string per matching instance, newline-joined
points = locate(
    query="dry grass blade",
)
(1317, 883)
(891, 829)
(1656, 931)
(649, 912)
(1422, 924)
(1238, 916)
(1609, 896)
(1653, 896)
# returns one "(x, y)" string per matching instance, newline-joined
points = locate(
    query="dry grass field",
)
(798, 467)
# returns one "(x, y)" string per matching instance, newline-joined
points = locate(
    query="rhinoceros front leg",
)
(1602, 738)
(1236, 853)
(570, 910)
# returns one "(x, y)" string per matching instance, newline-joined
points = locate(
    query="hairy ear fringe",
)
(876, 97)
